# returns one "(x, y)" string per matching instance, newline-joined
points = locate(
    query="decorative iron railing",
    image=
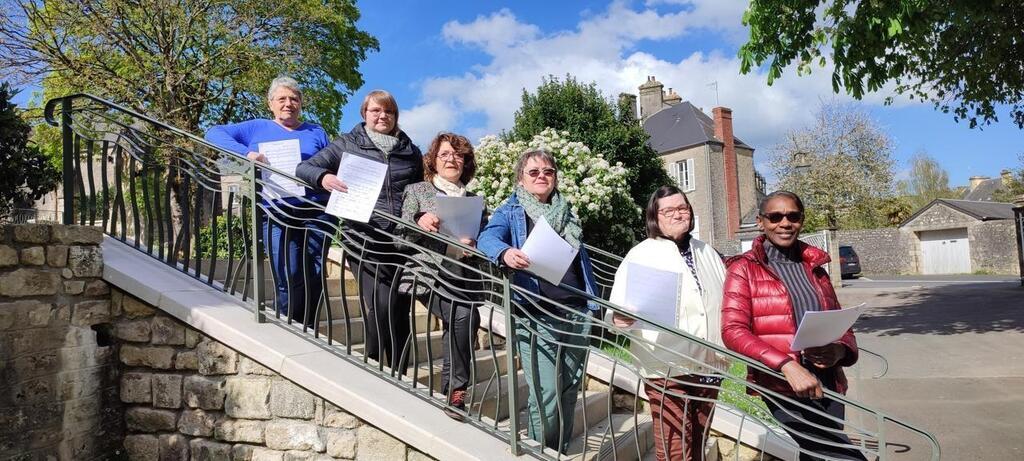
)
(202, 210)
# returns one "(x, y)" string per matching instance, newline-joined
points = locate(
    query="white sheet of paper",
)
(364, 178)
(285, 156)
(824, 327)
(550, 255)
(652, 293)
(460, 216)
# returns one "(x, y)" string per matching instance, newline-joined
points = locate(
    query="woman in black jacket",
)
(386, 315)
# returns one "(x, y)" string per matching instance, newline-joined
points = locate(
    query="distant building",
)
(981, 188)
(708, 162)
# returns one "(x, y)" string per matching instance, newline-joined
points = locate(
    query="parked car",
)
(849, 262)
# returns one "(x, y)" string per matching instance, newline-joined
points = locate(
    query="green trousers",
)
(552, 352)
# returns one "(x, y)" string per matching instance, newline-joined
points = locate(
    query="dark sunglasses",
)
(537, 172)
(775, 218)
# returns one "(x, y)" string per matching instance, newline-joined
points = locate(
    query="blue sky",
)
(462, 66)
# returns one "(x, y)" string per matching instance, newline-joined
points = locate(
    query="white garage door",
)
(945, 252)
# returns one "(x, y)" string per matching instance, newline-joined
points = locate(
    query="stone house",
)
(713, 166)
(981, 188)
(962, 236)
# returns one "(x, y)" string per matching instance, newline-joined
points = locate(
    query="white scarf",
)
(452, 189)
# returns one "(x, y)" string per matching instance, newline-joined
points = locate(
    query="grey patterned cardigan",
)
(421, 198)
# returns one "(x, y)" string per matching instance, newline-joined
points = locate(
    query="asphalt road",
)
(907, 281)
(955, 350)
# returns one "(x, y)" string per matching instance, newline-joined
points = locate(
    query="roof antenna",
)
(715, 84)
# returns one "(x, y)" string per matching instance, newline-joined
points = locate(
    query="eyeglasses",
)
(537, 172)
(376, 112)
(683, 210)
(775, 218)
(451, 156)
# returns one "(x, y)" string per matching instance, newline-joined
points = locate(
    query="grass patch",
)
(734, 393)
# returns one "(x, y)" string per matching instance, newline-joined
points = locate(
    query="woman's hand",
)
(257, 157)
(825, 356)
(622, 321)
(804, 383)
(429, 222)
(331, 182)
(515, 259)
(470, 243)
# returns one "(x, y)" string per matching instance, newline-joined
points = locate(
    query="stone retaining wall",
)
(887, 250)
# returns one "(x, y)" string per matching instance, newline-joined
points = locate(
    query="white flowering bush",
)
(597, 189)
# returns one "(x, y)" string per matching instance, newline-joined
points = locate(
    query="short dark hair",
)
(780, 193)
(651, 213)
(543, 154)
(461, 146)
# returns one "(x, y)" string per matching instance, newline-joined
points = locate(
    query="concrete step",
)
(633, 439)
(429, 373)
(340, 305)
(340, 333)
(487, 402)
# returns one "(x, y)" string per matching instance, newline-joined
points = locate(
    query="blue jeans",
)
(296, 242)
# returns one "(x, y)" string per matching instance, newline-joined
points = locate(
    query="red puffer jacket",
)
(757, 315)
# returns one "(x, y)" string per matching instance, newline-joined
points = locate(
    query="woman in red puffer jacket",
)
(767, 291)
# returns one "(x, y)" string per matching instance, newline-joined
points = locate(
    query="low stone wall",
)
(187, 395)
(881, 251)
(994, 247)
(58, 367)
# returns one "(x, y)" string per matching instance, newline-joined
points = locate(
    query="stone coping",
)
(298, 359)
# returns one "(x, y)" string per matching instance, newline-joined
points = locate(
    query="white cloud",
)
(607, 48)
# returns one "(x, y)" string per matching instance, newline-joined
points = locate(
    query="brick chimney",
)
(723, 131)
(652, 98)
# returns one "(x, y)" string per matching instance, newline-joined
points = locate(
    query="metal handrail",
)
(167, 198)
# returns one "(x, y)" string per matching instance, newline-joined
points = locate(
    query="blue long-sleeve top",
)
(242, 138)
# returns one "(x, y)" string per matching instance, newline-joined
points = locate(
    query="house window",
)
(682, 172)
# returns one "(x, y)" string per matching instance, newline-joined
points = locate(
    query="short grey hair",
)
(283, 82)
(542, 154)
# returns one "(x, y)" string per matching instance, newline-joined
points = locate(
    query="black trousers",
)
(460, 322)
(797, 421)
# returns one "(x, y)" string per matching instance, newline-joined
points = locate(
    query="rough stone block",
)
(96, 288)
(187, 360)
(247, 366)
(133, 308)
(144, 419)
(167, 331)
(28, 282)
(66, 273)
(142, 447)
(7, 318)
(133, 330)
(336, 417)
(341, 443)
(152, 356)
(85, 261)
(74, 287)
(264, 454)
(87, 313)
(167, 391)
(239, 430)
(290, 401)
(414, 455)
(57, 255)
(8, 256)
(216, 358)
(32, 233)
(136, 388)
(77, 234)
(375, 445)
(203, 392)
(295, 455)
(174, 447)
(24, 314)
(208, 450)
(33, 256)
(248, 398)
(192, 337)
(116, 301)
(293, 435)
(197, 423)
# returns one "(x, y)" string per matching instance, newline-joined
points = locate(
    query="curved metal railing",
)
(202, 210)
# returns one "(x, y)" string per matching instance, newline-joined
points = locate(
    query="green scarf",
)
(558, 214)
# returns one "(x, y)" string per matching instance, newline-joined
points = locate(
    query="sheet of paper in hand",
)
(285, 156)
(364, 178)
(460, 216)
(550, 255)
(824, 327)
(652, 293)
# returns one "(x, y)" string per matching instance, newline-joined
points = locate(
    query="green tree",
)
(928, 181)
(25, 173)
(189, 62)
(964, 56)
(582, 111)
(841, 166)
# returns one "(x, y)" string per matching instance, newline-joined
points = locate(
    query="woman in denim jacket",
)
(551, 337)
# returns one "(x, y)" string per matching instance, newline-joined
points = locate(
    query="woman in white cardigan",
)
(677, 370)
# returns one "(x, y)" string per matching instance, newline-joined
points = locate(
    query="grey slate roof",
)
(982, 211)
(984, 190)
(682, 125)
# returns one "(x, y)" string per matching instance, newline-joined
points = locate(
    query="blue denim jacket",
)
(507, 229)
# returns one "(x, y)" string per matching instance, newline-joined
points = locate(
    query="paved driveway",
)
(956, 358)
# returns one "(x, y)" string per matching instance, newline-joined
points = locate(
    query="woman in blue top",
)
(551, 339)
(292, 223)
